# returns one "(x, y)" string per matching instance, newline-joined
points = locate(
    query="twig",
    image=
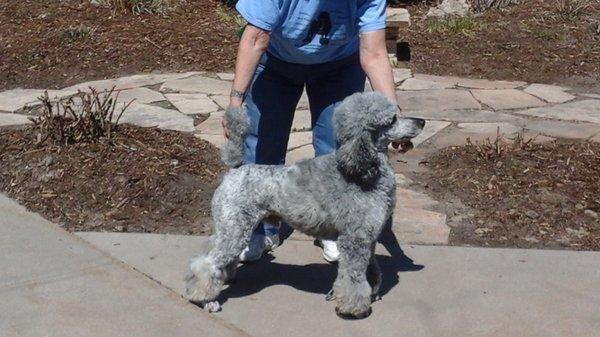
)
(151, 42)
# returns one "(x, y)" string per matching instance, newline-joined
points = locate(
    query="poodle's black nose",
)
(418, 121)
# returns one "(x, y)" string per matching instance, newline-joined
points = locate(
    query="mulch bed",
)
(144, 180)
(530, 195)
(534, 42)
(37, 51)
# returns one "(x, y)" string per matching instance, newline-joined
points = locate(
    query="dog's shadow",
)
(316, 277)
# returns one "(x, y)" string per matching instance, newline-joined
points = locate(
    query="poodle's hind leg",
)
(209, 272)
(374, 276)
(351, 288)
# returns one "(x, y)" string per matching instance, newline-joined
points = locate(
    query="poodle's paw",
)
(330, 296)
(212, 306)
(352, 315)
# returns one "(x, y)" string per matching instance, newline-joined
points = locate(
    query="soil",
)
(143, 180)
(37, 51)
(534, 42)
(531, 195)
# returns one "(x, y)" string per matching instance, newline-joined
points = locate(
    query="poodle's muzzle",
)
(400, 129)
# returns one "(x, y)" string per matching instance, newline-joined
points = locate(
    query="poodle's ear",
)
(357, 159)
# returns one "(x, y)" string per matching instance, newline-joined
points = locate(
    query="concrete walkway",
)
(446, 291)
(55, 284)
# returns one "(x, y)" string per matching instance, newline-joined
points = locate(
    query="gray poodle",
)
(346, 196)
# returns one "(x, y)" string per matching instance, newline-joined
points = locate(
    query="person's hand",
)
(225, 128)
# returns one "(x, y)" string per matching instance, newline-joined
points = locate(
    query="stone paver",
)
(487, 84)
(436, 100)
(467, 116)
(16, 99)
(212, 125)
(413, 225)
(216, 140)
(422, 84)
(298, 139)
(153, 116)
(489, 128)
(226, 76)
(431, 129)
(197, 84)
(221, 100)
(10, 119)
(396, 17)
(585, 111)
(130, 82)
(55, 284)
(300, 153)
(564, 129)
(193, 104)
(467, 292)
(139, 95)
(550, 93)
(401, 74)
(301, 121)
(413, 199)
(503, 99)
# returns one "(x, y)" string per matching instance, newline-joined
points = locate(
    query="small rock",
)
(579, 233)
(580, 206)
(174, 162)
(450, 8)
(531, 214)
(122, 180)
(482, 230)
(47, 161)
(591, 213)
(119, 228)
(531, 239)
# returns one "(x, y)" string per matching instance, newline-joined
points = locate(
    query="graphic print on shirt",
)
(313, 28)
(321, 26)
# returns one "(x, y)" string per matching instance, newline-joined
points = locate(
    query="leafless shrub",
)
(140, 6)
(84, 117)
(483, 5)
(572, 8)
(500, 146)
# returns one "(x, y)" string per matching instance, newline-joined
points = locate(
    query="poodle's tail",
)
(238, 125)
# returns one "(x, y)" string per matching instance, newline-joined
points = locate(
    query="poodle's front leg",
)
(351, 288)
(374, 276)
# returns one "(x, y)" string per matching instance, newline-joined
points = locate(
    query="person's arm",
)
(253, 44)
(376, 63)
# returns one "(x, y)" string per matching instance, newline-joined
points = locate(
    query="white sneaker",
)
(271, 241)
(331, 253)
(259, 244)
(254, 251)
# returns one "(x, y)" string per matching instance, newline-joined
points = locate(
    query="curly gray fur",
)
(238, 125)
(348, 195)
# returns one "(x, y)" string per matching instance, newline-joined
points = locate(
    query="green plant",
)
(84, 117)
(140, 6)
(550, 35)
(80, 32)
(228, 15)
(455, 25)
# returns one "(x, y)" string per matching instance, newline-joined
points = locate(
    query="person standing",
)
(329, 48)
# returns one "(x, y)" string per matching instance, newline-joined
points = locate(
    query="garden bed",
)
(528, 195)
(143, 180)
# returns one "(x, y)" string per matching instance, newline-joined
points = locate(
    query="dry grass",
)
(141, 6)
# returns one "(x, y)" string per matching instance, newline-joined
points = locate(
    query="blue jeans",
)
(272, 99)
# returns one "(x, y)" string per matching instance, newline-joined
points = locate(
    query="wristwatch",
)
(237, 94)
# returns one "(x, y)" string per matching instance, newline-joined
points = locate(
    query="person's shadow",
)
(316, 277)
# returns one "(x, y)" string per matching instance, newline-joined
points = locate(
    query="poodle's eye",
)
(394, 119)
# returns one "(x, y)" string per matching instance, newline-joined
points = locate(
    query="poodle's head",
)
(365, 124)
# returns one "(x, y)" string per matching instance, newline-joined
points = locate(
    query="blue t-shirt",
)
(314, 31)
